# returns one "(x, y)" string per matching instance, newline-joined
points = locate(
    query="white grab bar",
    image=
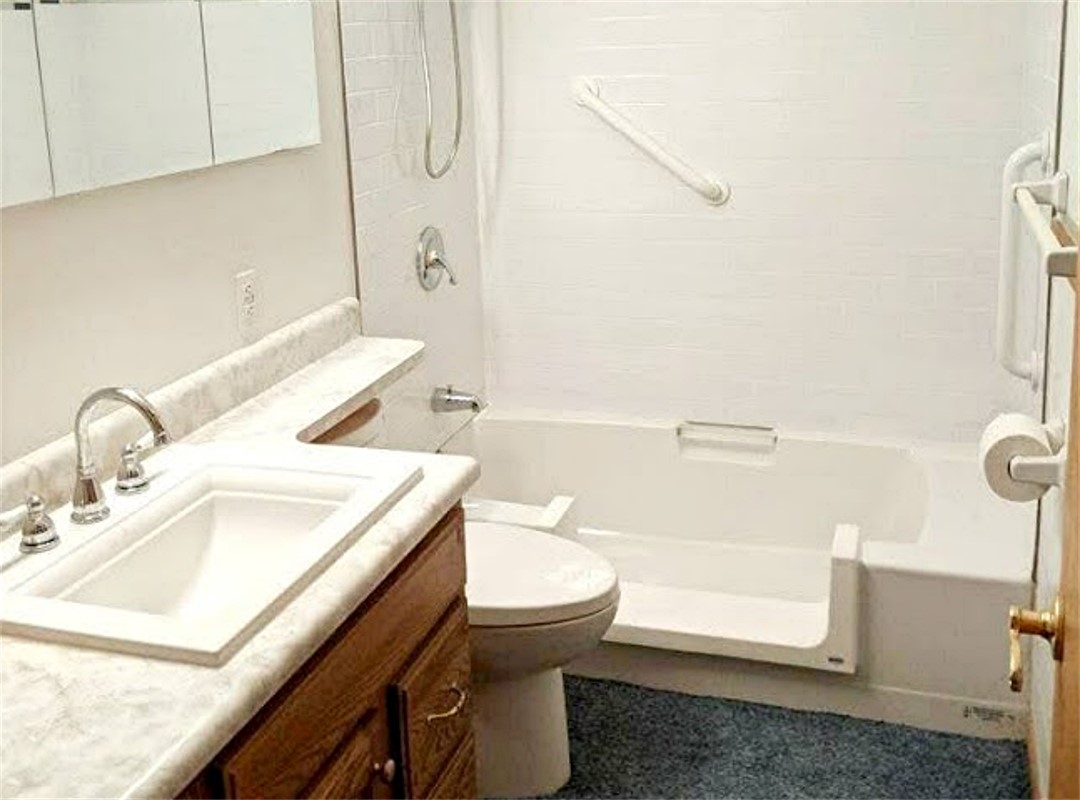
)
(587, 94)
(1027, 365)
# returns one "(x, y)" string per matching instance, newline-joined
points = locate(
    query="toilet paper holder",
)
(1043, 470)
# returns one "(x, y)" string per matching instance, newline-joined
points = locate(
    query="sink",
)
(192, 569)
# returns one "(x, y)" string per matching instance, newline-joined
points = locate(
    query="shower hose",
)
(433, 171)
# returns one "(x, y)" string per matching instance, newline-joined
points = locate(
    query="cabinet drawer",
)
(459, 778)
(288, 743)
(350, 772)
(435, 703)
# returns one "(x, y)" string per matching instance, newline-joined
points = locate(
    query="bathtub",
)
(891, 565)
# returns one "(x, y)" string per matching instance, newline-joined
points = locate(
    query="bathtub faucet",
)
(444, 398)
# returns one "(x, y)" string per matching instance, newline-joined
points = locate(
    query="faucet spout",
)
(445, 398)
(88, 500)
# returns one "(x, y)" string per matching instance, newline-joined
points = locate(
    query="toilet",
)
(536, 602)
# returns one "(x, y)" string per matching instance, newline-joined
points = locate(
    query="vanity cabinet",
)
(383, 709)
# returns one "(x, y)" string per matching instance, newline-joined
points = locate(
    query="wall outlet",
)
(247, 303)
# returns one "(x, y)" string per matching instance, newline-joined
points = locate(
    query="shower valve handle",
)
(436, 261)
(431, 260)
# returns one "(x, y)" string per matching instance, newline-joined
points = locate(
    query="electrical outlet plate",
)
(247, 303)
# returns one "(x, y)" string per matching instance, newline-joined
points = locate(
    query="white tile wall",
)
(850, 282)
(394, 199)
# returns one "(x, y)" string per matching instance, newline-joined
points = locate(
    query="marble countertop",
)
(79, 722)
(319, 396)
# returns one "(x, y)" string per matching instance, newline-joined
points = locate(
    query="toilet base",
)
(522, 744)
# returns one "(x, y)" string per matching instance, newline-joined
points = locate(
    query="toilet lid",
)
(520, 576)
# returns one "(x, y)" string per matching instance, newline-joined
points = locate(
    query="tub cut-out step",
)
(780, 605)
(555, 517)
(692, 619)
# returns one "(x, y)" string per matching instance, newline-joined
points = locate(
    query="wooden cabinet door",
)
(353, 771)
(434, 704)
(459, 778)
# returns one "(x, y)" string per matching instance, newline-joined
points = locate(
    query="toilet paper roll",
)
(1008, 436)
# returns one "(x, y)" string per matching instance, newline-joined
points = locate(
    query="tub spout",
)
(444, 399)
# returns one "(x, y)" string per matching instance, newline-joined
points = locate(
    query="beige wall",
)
(134, 285)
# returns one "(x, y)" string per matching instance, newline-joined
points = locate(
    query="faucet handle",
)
(37, 528)
(38, 533)
(439, 260)
(131, 474)
(131, 477)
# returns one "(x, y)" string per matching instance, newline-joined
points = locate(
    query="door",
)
(1065, 746)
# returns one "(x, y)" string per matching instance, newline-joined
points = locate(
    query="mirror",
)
(124, 90)
(104, 92)
(24, 156)
(260, 65)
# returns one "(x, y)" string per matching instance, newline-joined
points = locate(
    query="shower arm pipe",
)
(1025, 366)
(587, 94)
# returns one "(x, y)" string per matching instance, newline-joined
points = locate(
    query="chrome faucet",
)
(88, 498)
(444, 398)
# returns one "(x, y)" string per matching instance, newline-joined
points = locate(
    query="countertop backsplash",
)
(185, 404)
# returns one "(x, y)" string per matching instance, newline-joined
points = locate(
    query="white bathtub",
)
(891, 564)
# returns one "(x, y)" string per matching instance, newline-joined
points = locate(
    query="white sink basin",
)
(191, 569)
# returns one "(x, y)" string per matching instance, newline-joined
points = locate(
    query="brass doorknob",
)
(1049, 625)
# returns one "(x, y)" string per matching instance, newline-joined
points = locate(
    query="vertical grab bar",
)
(1024, 366)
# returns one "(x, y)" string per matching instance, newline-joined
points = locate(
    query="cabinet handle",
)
(387, 770)
(462, 698)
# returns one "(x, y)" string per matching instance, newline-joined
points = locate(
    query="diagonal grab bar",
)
(587, 94)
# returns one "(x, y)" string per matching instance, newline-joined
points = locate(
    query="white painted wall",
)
(134, 285)
(1059, 365)
(393, 197)
(849, 285)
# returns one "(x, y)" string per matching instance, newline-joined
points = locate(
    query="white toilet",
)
(536, 602)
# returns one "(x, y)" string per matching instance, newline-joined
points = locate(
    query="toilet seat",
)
(518, 576)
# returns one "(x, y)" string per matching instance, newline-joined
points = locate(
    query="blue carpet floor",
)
(626, 741)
